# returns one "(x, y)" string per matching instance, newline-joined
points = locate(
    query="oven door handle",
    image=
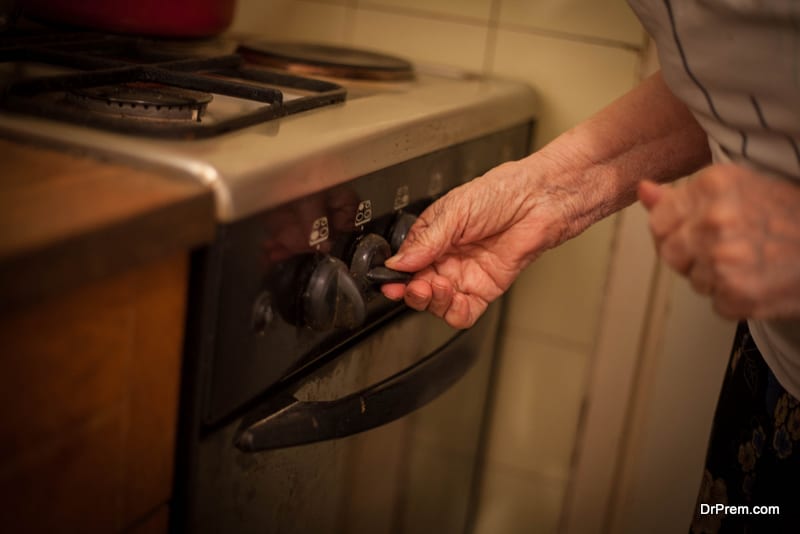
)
(291, 422)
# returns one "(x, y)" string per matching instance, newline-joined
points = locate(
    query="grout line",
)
(330, 2)
(349, 29)
(424, 13)
(649, 339)
(641, 61)
(567, 36)
(367, 5)
(526, 472)
(554, 340)
(491, 37)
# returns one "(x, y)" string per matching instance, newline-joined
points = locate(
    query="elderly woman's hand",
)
(469, 246)
(735, 234)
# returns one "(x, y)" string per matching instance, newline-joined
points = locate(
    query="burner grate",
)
(141, 100)
(121, 94)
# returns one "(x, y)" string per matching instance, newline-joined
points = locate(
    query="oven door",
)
(396, 423)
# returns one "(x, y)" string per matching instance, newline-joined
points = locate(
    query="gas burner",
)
(134, 86)
(142, 101)
(326, 60)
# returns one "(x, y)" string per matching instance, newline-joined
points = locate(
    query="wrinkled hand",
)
(735, 234)
(469, 246)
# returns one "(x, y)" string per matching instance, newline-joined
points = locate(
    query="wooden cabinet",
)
(89, 402)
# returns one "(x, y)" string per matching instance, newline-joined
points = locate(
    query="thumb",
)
(649, 193)
(427, 239)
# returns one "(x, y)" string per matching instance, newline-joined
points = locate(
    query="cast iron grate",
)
(98, 62)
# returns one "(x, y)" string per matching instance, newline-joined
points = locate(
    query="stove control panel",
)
(336, 295)
(300, 280)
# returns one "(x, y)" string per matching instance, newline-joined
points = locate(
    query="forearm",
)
(646, 134)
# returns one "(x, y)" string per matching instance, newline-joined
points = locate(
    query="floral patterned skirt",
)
(753, 457)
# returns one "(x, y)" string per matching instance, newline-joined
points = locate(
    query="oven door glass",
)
(415, 474)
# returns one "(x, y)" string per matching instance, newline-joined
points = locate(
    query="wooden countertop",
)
(67, 219)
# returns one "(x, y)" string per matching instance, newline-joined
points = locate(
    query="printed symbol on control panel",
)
(319, 231)
(435, 184)
(401, 197)
(364, 212)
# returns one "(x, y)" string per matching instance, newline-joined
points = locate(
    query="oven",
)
(311, 414)
(310, 403)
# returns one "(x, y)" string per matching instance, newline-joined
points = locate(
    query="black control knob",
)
(371, 251)
(332, 299)
(400, 228)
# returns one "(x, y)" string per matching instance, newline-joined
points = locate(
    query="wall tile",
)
(605, 19)
(477, 9)
(561, 293)
(537, 402)
(573, 79)
(513, 502)
(421, 39)
(292, 20)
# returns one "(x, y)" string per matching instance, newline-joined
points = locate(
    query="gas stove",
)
(140, 87)
(262, 123)
(321, 158)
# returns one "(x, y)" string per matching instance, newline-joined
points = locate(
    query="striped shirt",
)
(736, 65)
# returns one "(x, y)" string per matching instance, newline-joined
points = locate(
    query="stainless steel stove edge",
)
(257, 169)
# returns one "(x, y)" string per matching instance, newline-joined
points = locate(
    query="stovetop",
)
(258, 135)
(144, 87)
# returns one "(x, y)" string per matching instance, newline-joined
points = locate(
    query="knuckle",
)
(732, 254)
(714, 179)
(418, 231)
(673, 252)
(432, 225)
(739, 296)
(719, 255)
(719, 217)
(415, 304)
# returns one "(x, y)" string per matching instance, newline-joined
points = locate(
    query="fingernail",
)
(394, 260)
(390, 296)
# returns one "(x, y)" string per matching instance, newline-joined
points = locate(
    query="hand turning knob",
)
(371, 251)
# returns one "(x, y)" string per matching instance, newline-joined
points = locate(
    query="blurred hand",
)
(736, 235)
(469, 246)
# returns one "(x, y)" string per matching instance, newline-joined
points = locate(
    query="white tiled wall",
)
(475, 9)
(579, 55)
(432, 39)
(293, 19)
(573, 77)
(590, 20)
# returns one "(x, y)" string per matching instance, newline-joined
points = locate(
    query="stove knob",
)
(400, 228)
(332, 299)
(371, 251)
